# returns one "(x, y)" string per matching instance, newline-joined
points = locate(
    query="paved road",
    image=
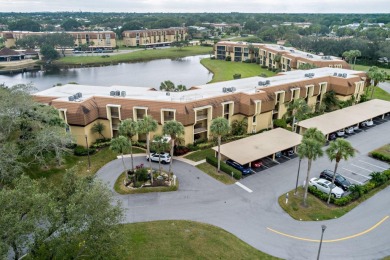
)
(256, 217)
(385, 86)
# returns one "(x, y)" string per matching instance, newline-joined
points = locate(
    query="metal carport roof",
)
(260, 145)
(349, 116)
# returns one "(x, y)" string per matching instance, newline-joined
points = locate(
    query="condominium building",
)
(154, 37)
(274, 56)
(103, 39)
(256, 100)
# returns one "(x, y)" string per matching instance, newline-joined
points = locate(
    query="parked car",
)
(325, 186)
(164, 157)
(332, 136)
(356, 128)
(340, 180)
(288, 152)
(244, 170)
(367, 123)
(349, 130)
(340, 133)
(257, 164)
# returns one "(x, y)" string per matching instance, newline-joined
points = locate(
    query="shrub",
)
(82, 151)
(380, 156)
(141, 173)
(180, 150)
(228, 58)
(378, 178)
(319, 194)
(264, 67)
(71, 146)
(343, 200)
(280, 123)
(236, 76)
(193, 147)
(224, 167)
(247, 61)
(103, 142)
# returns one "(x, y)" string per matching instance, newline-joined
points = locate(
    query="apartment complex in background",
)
(154, 37)
(256, 100)
(96, 39)
(274, 56)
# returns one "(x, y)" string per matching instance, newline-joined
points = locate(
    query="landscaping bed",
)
(212, 171)
(382, 153)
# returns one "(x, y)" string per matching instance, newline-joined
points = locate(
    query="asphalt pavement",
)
(254, 215)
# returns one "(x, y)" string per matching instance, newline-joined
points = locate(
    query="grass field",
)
(79, 163)
(224, 70)
(175, 239)
(366, 68)
(379, 94)
(212, 171)
(200, 155)
(137, 56)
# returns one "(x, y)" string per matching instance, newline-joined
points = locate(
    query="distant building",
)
(154, 37)
(274, 56)
(300, 25)
(102, 39)
(7, 54)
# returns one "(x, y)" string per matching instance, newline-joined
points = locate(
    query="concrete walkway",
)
(256, 217)
(385, 86)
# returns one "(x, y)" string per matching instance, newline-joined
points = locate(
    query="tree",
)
(120, 145)
(74, 218)
(145, 126)
(337, 150)
(310, 148)
(129, 128)
(167, 86)
(174, 129)
(351, 56)
(71, 25)
(160, 145)
(99, 128)
(25, 25)
(377, 76)
(219, 127)
(239, 127)
(298, 109)
(330, 101)
(307, 66)
(181, 88)
(49, 53)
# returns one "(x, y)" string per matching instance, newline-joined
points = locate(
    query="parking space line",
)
(361, 167)
(357, 173)
(361, 183)
(373, 165)
(244, 187)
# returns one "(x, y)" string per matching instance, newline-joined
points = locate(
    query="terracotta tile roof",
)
(8, 52)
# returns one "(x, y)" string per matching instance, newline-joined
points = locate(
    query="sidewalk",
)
(179, 158)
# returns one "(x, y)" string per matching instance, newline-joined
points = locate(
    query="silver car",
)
(325, 185)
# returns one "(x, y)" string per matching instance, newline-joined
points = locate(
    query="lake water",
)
(187, 71)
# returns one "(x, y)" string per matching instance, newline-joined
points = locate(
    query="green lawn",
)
(379, 94)
(212, 171)
(175, 239)
(224, 70)
(318, 209)
(80, 164)
(365, 68)
(137, 56)
(200, 155)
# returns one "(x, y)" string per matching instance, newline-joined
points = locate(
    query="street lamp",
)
(296, 184)
(322, 235)
(89, 160)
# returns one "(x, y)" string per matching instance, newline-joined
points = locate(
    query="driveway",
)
(256, 218)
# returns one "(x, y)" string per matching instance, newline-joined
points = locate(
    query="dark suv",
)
(340, 181)
(236, 165)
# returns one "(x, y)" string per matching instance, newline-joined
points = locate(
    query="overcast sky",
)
(219, 6)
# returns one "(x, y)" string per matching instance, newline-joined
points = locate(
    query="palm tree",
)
(129, 128)
(310, 148)
(180, 88)
(377, 76)
(173, 129)
(167, 85)
(145, 126)
(330, 101)
(98, 128)
(299, 109)
(219, 127)
(351, 56)
(120, 145)
(159, 145)
(337, 150)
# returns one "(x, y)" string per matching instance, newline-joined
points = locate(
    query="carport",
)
(258, 146)
(346, 117)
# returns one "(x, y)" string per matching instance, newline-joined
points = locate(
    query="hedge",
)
(82, 151)
(381, 156)
(224, 167)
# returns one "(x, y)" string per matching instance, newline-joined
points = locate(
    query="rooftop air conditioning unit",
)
(340, 75)
(117, 93)
(168, 93)
(79, 94)
(233, 89)
(75, 96)
(224, 90)
(344, 75)
(112, 93)
(123, 93)
(71, 98)
(334, 74)
(260, 83)
(267, 82)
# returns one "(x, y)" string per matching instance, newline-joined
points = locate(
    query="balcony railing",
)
(200, 130)
(201, 117)
(115, 114)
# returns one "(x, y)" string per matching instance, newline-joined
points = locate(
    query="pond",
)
(187, 71)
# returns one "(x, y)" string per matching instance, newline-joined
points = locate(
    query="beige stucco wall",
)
(188, 134)
(311, 102)
(79, 132)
